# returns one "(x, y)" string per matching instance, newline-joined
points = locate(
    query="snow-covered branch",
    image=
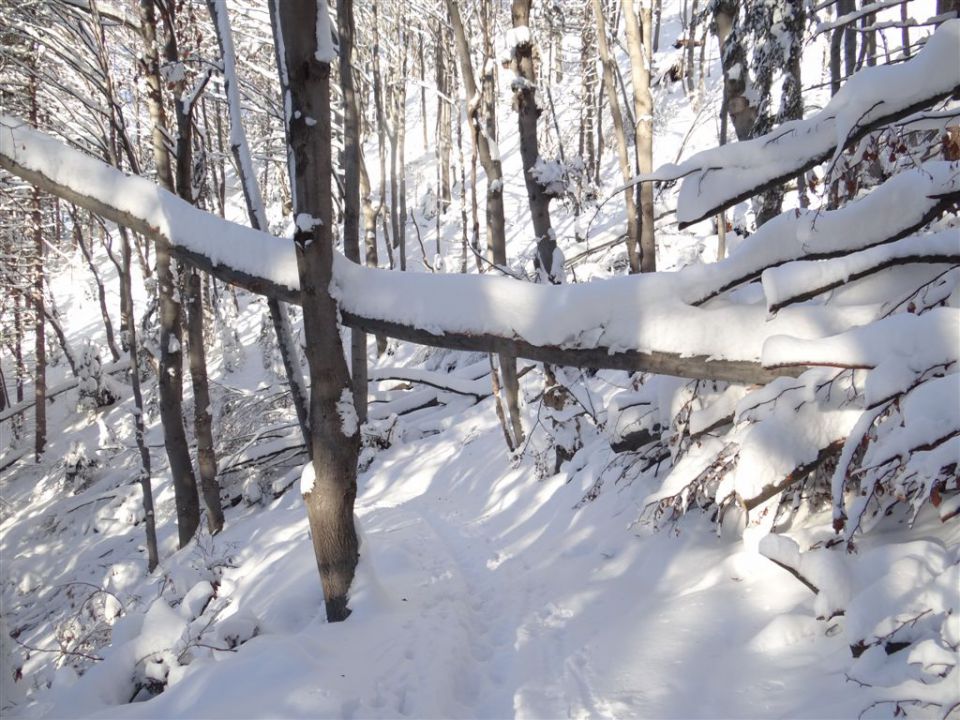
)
(716, 179)
(630, 323)
(804, 279)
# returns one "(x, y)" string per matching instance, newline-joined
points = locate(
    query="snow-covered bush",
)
(94, 388)
(77, 466)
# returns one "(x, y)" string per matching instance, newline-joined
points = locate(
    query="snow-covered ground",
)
(485, 589)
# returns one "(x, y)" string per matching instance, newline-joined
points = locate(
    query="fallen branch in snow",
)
(892, 212)
(805, 279)
(266, 265)
(784, 552)
(850, 17)
(800, 473)
(15, 458)
(441, 381)
(52, 393)
(59, 651)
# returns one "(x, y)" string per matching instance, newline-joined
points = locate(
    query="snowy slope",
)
(484, 589)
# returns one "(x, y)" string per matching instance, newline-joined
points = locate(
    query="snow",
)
(712, 177)
(484, 589)
(896, 348)
(325, 52)
(794, 279)
(307, 478)
(514, 37)
(645, 314)
(570, 315)
(238, 139)
(255, 253)
(349, 422)
(306, 222)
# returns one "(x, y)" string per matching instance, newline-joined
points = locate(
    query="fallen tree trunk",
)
(266, 265)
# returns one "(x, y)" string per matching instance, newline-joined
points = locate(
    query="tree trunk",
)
(334, 431)
(130, 328)
(480, 111)
(191, 289)
(733, 58)
(379, 103)
(202, 416)
(623, 156)
(400, 128)
(688, 50)
(101, 291)
(21, 369)
(370, 232)
(53, 316)
(527, 114)
(443, 122)
(171, 340)
(639, 46)
(40, 346)
(351, 191)
(256, 211)
(588, 69)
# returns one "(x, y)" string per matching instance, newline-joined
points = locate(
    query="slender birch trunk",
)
(638, 45)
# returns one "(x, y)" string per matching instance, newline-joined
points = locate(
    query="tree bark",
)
(370, 232)
(40, 345)
(623, 156)
(639, 46)
(351, 191)
(483, 132)
(101, 291)
(733, 59)
(146, 486)
(171, 341)
(379, 102)
(444, 141)
(334, 434)
(588, 69)
(256, 210)
(528, 113)
(191, 288)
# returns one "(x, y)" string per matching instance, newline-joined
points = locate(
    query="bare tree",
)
(639, 46)
(483, 132)
(304, 50)
(528, 113)
(351, 190)
(256, 210)
(171, 340)
(623, 157)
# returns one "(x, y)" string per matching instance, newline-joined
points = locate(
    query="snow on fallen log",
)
(900, 206)
(896, 349)
(804, 279)
(628, 323)
(248, 258)
(622, 323)
(445, 382)
(720, 177)
(929, 418)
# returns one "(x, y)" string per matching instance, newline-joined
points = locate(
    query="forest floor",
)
(485, 589)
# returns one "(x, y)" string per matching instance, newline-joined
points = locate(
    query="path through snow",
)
(482, 593)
